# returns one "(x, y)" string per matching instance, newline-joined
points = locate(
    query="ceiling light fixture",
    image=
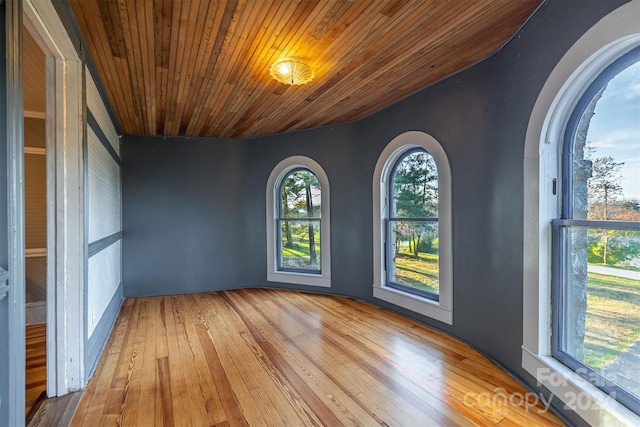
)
(291, 71)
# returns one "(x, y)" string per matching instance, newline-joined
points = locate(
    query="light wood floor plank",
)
(375, 373)
(323, 385)
(266, 396)
(35, 363)
(201, 376)
(297, 391)
(179, 388)
(256, 357)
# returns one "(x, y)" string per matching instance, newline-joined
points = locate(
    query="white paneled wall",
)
(104, 213)
(104, 191)
(99, 111)
(104, 279)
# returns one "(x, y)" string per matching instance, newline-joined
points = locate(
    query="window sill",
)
(299, 278)
(578, 395)
(415, 303)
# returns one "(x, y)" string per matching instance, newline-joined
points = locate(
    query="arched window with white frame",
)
(412, 226)
(412, 261)
(596, 255)
(581, 232)
(298, 223)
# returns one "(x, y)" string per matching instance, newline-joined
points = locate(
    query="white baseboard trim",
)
(36, 312)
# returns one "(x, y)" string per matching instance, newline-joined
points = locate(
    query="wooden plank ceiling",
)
(201, 67)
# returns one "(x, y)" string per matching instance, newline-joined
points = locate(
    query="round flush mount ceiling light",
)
(291, 71)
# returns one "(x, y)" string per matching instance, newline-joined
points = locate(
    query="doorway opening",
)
(36, 189)
(64, 245)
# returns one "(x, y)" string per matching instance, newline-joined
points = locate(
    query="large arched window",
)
(412, 226)
(298, 223)
(571, 329)
(596, 309)
(412, 231)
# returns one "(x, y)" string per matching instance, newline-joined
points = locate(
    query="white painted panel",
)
(99, 111)
(104, 279)
(104, 191)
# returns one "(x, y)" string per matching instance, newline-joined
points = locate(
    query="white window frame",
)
(272, 195)
(609, 39)
(441, 310)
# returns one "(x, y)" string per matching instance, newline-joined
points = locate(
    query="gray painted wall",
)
(4, 235)
(194, 209)
(186, 208)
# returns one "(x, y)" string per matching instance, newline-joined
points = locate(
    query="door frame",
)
(65, 199)
(66, 251)
(15, 217)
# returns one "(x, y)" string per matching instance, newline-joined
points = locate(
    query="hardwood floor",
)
(36, 363)
(270, 357)
(55, 411)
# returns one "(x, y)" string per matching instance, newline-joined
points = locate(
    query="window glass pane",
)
(597, 325)
(415, 187)
(300, 244)
(300, 195)
(601, 310)
(606, 152)
(414, 254)
(413, 262)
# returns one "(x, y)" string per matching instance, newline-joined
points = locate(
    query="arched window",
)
(298, 223)
(412, 226)
(574, 317)
(596, 320)
(412, 231)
